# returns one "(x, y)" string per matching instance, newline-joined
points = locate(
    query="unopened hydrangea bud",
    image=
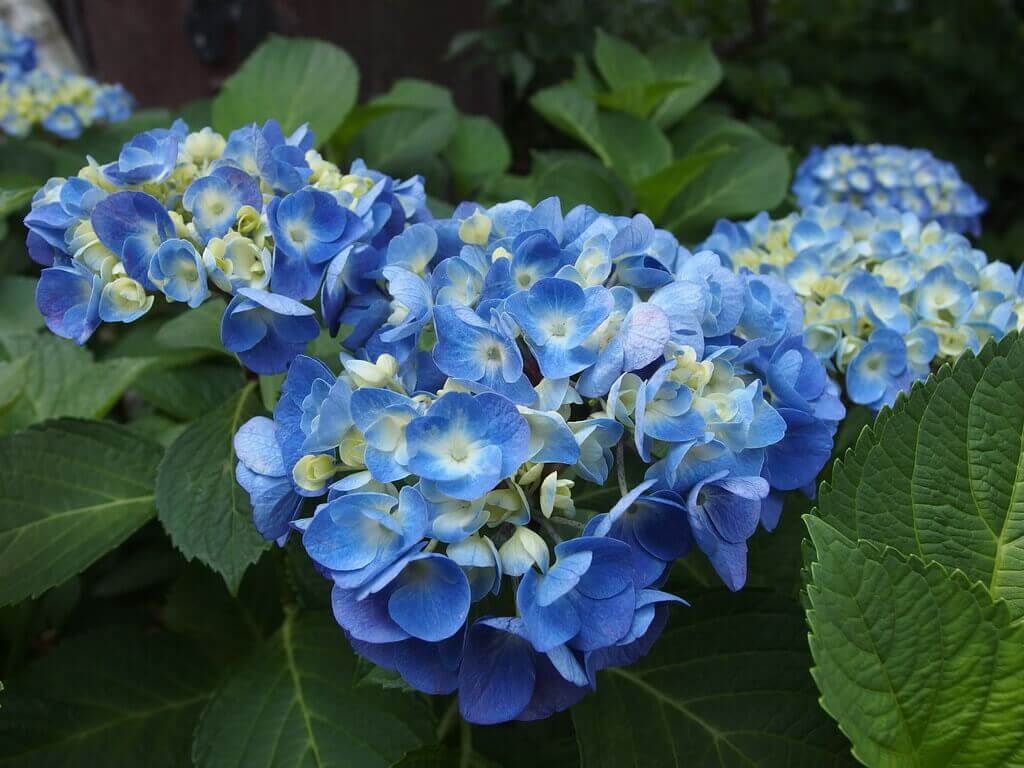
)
(312, 471)
(356, 185)
(522, 551)
(530, 473)
(247, 220)
(476, 229)
(452, 385)
(351, 448)
(556, 494)
(507, 505)
(367, 374)
(181, 229)
(694, 373)
(204, 146)
(501, 252)
(87, 249)
(124, 300)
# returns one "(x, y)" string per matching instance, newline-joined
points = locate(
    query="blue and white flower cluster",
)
(17, 53)
(886, 297)
(258, 215)
(876, 177)
(509, 364)
(63, 104)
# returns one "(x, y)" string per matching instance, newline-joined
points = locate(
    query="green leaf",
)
(497, 189)
(18, 310)
(568, 109)
(940, 475)
(705, 130)
(398, 140)
(294, 81)
(294, 703)
(654, 193)
(640, 100)
(578, 178)
(196, 328)
(478, 149)
(918, 665)
(70, 492)
(13, 200)
(206, 513)
(725, 685)
(62, 379)
(695, 64)
(118, 698)
(12, 381)
(407, 93)
(188, 392)
(199, 607)
(158, 428)
(197, 113)
(753, 178)
(636, 147)
(442, 757)
(620, 63)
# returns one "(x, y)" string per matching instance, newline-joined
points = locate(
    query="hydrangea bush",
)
(876, 177)
(507, 360)
(517, 456)
(62, 103)
(182, 215)
(886, 297)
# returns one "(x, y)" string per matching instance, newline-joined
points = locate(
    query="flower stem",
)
(620, 468)
(466, 746)
(448, 719)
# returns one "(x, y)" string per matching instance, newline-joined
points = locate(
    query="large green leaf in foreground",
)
(725, 685)
(294, 703)
(70, 491)
(919, 666)
(941, 474)
(119, 698)
(916, 573)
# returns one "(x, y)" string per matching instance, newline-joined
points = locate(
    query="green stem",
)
(466, 746)
(448, 720)
(620, 468)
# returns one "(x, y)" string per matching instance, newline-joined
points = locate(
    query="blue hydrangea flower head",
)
(883, 299)
(500, 366)
(876, 176)
(191, 213)
(62, 103)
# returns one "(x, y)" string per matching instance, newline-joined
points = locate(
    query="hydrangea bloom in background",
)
(63, 104)
(512, 365)
(876, 176)
(257, 215)
(17, 53)
(886, 297)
